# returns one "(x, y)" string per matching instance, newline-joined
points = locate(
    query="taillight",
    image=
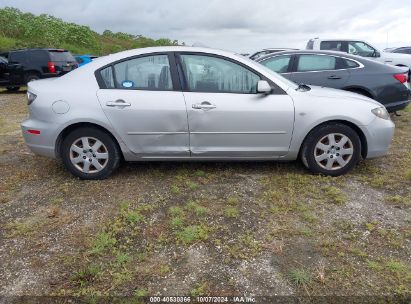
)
(403, 78)
(52, 68)
(34, 132)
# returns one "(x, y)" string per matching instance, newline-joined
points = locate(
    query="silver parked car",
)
(185, 103)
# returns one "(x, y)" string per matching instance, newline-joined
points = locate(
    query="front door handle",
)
(118, 103)
(205, 105)
(334, 77)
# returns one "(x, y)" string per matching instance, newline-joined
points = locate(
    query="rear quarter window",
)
(107, 77)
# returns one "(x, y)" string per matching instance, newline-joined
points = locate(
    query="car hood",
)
(334, 94)
(397, 55)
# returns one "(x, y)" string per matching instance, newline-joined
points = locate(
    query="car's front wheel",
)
(332, 149)
(90, 153)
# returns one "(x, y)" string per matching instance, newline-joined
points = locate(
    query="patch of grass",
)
(371, 226)
(141, 292)
(175, 189)
(134, 217)
(246, 248)
(196, 208)
(177, 222)
(358, 252)
(335, 195)
(164, 269)
(231, 212)
(374, 265)
(122, 258)
(399, 199)
(192, 186)
(84, 277)
(176, 211)
(408, 174)
(199, 290)
(397, 267)
(300, 277)
(103, 241)
(200, 173)
(309, 217)
(232, 201)
(191, 234)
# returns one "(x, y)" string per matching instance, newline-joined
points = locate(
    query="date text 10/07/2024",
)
(202, 299)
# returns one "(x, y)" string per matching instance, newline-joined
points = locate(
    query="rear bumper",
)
(379, 134)
(397, 106)
(43, 143)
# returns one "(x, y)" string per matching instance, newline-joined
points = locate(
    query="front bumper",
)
(397, 106)
(379, 134)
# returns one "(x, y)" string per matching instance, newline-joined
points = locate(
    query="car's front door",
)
(320, 70)
(227, 118)
(140, 99)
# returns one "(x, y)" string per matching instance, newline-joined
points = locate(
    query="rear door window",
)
(144, 73)
(331, 45)
(310, 62)
(278, 64)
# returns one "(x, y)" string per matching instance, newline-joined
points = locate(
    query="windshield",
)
(61, 56)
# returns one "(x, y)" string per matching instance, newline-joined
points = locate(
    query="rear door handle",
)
(334, 77)
(205, 105)
(118, 103)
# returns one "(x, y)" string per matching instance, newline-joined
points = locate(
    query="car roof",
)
(334, 53)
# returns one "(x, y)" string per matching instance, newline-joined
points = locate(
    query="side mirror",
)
(377, 54)
(263, 87)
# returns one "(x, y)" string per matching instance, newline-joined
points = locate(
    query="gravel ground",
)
(243, 228)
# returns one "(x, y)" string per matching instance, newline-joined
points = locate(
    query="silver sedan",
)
(184, 103)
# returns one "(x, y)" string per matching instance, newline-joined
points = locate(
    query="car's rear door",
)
(226, 116)
(142, 100)
(320, 70)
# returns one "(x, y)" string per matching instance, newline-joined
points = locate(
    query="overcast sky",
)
(238, 25)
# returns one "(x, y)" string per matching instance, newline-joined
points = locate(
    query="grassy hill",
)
(19, 30)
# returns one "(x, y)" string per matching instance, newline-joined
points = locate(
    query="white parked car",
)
(359, 48)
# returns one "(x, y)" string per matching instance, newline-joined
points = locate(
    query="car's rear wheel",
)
(332, 149)
(90, 153)
(13, 89)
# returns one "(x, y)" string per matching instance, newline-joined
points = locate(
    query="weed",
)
(177, 222)
(141, 292)
(103, 241)
(199, 290)
(122, 258)
(176, 211)
(192, 185)
(395, 266)
(200, 173)
(232, 201)
(196, 208)
(83, 277)
(300, 277)
(175, 189)
(191, 234)
(231, 212)
(335, 195)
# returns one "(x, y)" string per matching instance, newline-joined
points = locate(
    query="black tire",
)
(13, 89)
(309, 149)
(32, 77)
(114, 153)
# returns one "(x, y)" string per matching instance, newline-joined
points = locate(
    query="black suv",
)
(19, 67)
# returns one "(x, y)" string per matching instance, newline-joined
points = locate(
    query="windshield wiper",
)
(303, 87)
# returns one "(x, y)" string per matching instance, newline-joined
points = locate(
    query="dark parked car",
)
(402, 50)
(18, 67)
(385, 83)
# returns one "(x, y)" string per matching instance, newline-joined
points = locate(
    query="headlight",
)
(30, 97)
(381, 113)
